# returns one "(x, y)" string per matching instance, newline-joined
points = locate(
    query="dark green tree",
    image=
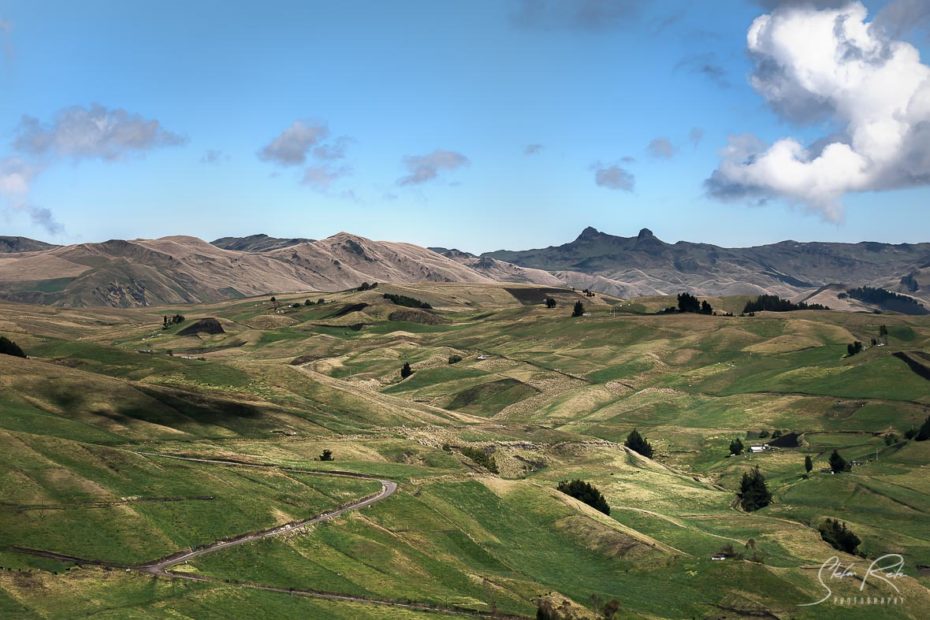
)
(706, 308)
(406, 370)
(837, 463)
(736, 447)
(586, 493)
(753, 492)
(808, 464)
(688, 303)
(327, 455)
(578, 310)
(550, 303)
(638, 443)
(8, 347)
(839, 536)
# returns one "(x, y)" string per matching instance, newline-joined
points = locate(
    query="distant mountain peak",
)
(589, 233)
(645, 233)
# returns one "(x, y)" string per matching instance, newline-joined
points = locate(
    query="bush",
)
(327, 455)
(406, 370)
(808, 463)
(295, 305)
(550, 303)
(753, 492)
(307, 302)
(482, 458)
(854, 348)
(838, 536)
(736, 447)
(578, 310)
(8, 347)
(638, 443)
(586, 493)
(838, 464)
(407, 302)
(455, 359)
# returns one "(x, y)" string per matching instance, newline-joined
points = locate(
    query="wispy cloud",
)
(6, 39)
(706, 65)
(16, 178)
(290, 147)
(423, 168)
(334, 150)
(695, 136)
(322, 177)
(94, 132)
(533, 149)
(613, 177)
(662, 148)
(213, 156)
(581, 15)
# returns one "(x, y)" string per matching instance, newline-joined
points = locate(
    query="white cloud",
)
(832, 63)
(16, 178)
(423, 168)
(92, 133)
(290, 147)
(613, 177)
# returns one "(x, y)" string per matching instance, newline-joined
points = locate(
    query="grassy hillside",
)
(90, 422)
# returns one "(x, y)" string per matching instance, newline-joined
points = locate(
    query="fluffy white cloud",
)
(831, 62)
(613, 177)
(423, 168)
(92, 133)
(290, 147)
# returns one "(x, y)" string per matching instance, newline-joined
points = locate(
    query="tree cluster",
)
(839, 536)
(168, 321)
(774, 303)
(550, 302)
(8, 347)
(365, 286)
(736, 447)
(853, 348)
(585, 492)
(753, 492)
(888, 300)
(408, 302)
(637, 443)
(689, 303)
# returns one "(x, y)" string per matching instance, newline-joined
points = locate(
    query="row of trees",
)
(774, 303)
(408, 302)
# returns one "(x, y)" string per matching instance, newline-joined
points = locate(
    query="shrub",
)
(753, 492)
(586, 493)
(307, 302)
(853, 348)
(455, 359)
(808, 463)
(295, 305)
(839, 536)
(578, 310)
(550, 303)
(8, 347)
(638, 443)
(406, 370)
(838, 464)
(327, 455)
(481, 457)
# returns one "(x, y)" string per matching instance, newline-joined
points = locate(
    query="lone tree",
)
(837, 463)
(808, 464)
(550, 303)
(406, 371)
(586, 493)
(753, 492)
(579, 309)
(8, 347)
(923, 433)
(883, 333)
(736, 447)
(638, 443)
(839, 536)
(327, 455)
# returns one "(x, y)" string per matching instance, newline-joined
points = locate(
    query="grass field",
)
(88, 425)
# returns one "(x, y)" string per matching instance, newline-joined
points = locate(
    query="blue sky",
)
(433, 104)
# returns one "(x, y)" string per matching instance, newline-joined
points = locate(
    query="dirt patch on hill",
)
(203, 326)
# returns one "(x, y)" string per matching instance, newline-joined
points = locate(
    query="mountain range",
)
(180, 269)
